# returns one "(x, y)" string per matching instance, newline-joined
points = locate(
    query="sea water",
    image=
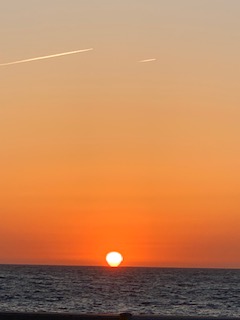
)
(193, 292)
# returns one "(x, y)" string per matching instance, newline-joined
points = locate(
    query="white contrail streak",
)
(147, 60)
(45, 57)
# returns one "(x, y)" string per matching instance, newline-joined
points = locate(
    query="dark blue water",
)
(105, 290)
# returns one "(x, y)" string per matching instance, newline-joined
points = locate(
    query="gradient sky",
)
(100, 152)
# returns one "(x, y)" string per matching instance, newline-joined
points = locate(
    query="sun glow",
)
(114, 259)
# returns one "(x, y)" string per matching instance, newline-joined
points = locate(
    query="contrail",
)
(147, 60)
(45, 57)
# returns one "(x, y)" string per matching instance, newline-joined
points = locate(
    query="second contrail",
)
(147, 60)
(45, 57)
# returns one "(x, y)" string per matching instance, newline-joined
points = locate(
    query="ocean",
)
(189, 292)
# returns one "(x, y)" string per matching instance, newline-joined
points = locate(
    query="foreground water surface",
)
(207, 292)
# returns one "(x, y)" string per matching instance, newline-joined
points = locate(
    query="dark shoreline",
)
(121, 267)
(76, 316)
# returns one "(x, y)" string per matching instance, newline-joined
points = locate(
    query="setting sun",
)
(114, 259)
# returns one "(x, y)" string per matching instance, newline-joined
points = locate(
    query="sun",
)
(114, 259)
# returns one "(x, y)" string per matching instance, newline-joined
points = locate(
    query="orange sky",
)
(100, 152)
